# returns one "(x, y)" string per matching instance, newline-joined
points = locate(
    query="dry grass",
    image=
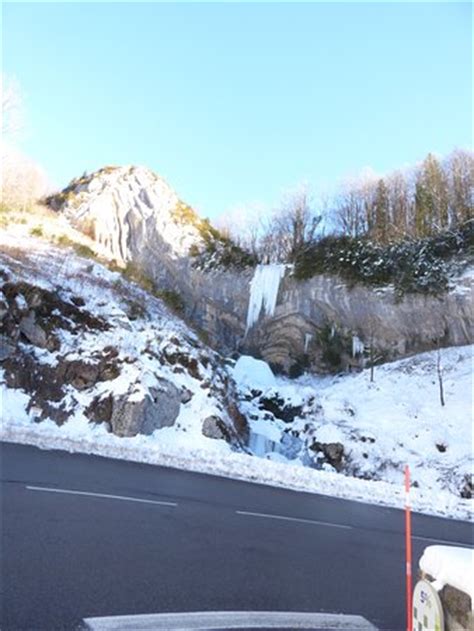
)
(43, 223)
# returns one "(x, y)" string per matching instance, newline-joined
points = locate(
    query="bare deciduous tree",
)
(12, 109)
(23, 181)
(401, 210)
(460, 173)
(290, 227)
(439, 370)
(244, 226)
(354, 205)
(417, 202)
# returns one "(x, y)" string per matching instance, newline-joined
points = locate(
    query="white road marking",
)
(104, 495)
(453, 543)
(197, 621)
(298, 519)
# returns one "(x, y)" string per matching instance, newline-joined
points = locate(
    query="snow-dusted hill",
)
(123, 207)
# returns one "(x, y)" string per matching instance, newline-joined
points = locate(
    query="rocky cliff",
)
(318, 324)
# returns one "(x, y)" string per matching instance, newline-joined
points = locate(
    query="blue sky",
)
(235, 103)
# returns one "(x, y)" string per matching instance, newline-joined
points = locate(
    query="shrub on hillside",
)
(411, 265)
(218, 249)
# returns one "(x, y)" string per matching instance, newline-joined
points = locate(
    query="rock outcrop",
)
(138, 218)
(313, 316)
(158, 408)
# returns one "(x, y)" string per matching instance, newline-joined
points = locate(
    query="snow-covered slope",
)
(92, 362)
(370, 429)
(81, 346)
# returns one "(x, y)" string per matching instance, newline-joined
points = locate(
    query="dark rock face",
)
(30, 319)
(333, 453)
(239, 421)
(457, 607)
(100, 410)
(7, 348)
(280, 409)
(468, 488)
(47, 309)
(32, 331)
(40, 380)
(83, 374)
(184, 360)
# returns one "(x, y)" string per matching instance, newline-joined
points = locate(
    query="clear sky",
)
(235, 103)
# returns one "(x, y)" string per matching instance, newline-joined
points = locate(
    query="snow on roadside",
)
(382, 425)
(81, 437)
(450, 565)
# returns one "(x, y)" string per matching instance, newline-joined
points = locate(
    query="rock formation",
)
(312, 324)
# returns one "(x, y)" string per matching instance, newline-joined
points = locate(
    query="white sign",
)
(427, 608)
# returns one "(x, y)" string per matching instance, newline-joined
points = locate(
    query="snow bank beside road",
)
(450, 565)
(84, 438)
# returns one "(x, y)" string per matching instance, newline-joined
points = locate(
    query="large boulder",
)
(32, 331)
(7, 348)
(132, 415)
(214, 427)
(333, 453)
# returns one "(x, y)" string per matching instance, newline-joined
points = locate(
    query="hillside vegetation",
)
(411, 265)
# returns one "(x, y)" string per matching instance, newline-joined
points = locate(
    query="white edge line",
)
(104, 495)
(453, 543)
(298, 519)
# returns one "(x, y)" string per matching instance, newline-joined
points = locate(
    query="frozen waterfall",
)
(264, 291)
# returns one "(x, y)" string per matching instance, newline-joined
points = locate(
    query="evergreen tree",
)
(381, 212)
(431, 198)
(401, 204)
(461, 186)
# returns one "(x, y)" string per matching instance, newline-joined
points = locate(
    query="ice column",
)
(264, 291)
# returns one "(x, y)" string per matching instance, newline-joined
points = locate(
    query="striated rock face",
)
(315, 322)
(126, 209)
(135, 216)
(394, 327)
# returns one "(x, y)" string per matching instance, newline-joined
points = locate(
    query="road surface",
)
(84, 536)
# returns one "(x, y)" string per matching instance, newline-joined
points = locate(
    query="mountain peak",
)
(118, 206)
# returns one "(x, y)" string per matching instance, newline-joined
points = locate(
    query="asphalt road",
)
(85, 536)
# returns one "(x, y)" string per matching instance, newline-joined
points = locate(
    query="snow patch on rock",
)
(249, 372)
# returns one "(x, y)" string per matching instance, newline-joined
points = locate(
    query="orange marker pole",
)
(408, 549)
